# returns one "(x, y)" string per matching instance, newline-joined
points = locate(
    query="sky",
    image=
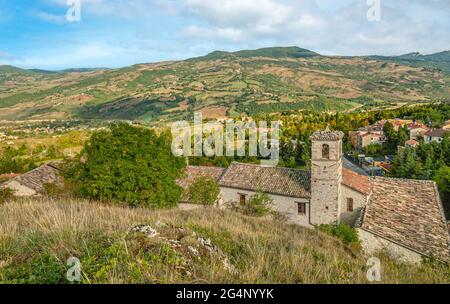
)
(117, 33)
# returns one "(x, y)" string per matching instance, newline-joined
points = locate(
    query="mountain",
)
(225, 84)
(274, 52)
(438, 60)
(9, 69)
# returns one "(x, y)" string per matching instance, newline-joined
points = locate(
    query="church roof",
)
(356, 181)
(272, 180)
(409, 213)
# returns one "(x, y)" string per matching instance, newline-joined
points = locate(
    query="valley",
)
(244, 83)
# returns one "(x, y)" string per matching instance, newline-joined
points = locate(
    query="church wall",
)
(286, 206)
(359, 201)
(372, 244)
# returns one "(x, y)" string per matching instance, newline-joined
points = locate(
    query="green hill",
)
(438, 60)
(123, 245)
(272, 52)
(224, 84)
(8, 69)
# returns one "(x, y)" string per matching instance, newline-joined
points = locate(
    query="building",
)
(406, 217)
(34, 182)
(436, 135)
(411, 143)
(364, 138)
(446, 125)
(397, 123)
(417, 130)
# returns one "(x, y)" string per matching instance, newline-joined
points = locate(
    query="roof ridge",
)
(261, 166)
(423, 181)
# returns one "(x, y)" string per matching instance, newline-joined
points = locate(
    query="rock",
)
(145, 229)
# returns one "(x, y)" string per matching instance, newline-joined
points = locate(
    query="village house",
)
(34, 182)
(396, 123)
(417, 130)
(436, 135)
(412, 143)
(365, 137)
(446, 125)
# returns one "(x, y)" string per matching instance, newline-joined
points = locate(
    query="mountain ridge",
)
(221, 84)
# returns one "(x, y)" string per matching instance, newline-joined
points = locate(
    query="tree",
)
(129, 165)
(259, 204)
(204, 191)
(442, 179)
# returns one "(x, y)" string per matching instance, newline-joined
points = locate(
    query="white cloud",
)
(81, 56)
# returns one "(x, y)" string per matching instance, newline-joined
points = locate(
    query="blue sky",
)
(115, 33)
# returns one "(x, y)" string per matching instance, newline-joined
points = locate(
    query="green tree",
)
(128, 164)
(442, 179)
(259, 204)
(204, 191)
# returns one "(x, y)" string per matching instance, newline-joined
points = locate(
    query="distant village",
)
(375, 135)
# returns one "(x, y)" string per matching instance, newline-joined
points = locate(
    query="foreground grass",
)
(38, 236)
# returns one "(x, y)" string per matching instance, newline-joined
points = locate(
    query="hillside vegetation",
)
(118, 245)
(222, 84)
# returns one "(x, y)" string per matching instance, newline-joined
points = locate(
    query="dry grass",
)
(37, 236)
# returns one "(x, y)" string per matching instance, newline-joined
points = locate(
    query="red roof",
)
(412, 142)
(356, 181)
(8, 176)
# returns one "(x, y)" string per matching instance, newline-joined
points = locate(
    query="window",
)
(301, 208)
(326, 151)
(242, 199)
(349, 204)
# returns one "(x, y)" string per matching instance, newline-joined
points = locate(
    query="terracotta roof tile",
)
(410, 213)
(356, 181)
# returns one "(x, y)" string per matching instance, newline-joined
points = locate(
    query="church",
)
(404, 217)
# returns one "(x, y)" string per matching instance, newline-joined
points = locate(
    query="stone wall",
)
(19, 189)
(286, 206)
(372, 243)
(359, 201)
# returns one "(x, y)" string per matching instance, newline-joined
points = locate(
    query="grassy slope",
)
(271, 79)
(37, 236)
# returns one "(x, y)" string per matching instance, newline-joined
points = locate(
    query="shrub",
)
(6, 194)
(128, 164)
(258, 205)
(204, 191)
(344, 232)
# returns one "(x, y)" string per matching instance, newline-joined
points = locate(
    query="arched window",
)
(326, 151)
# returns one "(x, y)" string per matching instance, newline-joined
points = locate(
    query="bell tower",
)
(326, 176)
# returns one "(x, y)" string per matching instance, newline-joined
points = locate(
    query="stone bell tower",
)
(326, 176)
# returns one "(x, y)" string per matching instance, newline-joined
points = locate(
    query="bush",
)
(6, 194)
(128, 164)
(259, 205)
(204, 191)
(344, 232)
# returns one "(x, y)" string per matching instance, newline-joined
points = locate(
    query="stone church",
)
(405, 217)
